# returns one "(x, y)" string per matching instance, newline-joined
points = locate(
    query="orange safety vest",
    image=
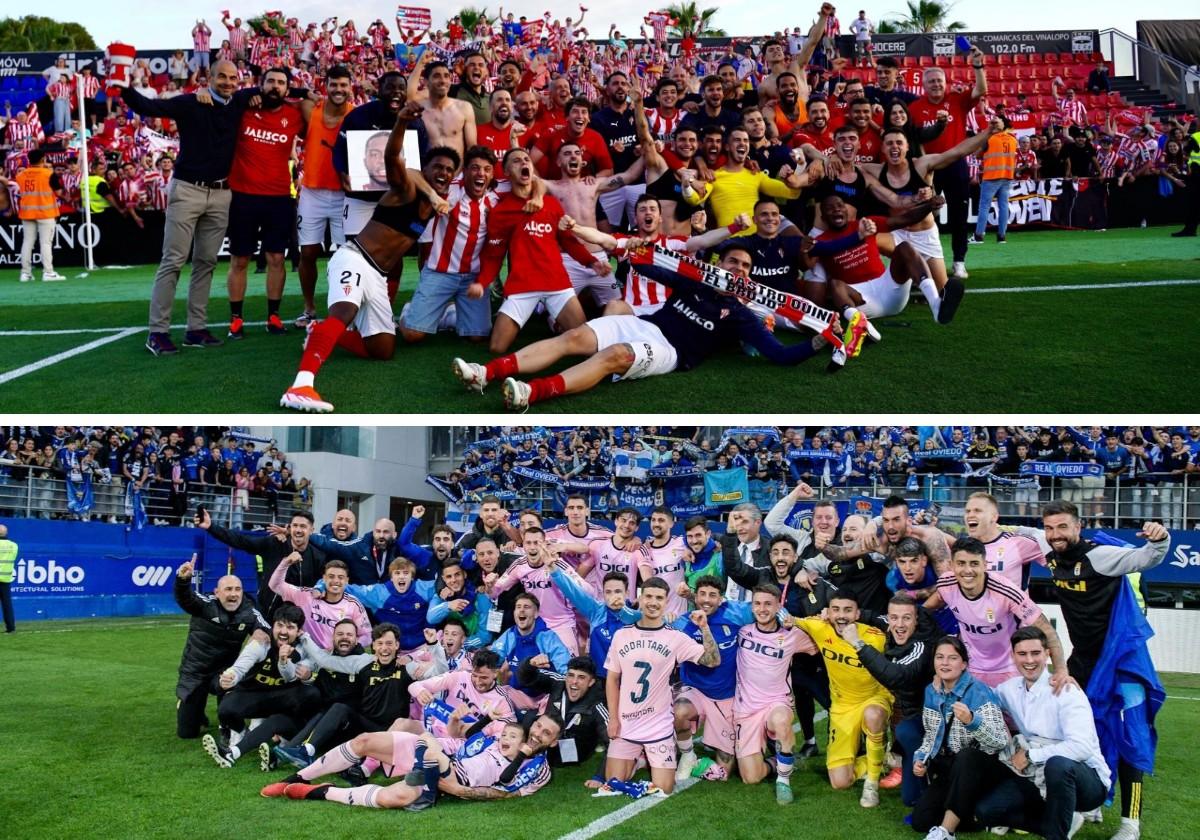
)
(37, 198)
(783, 125)
(1000, 159)
(319, 173)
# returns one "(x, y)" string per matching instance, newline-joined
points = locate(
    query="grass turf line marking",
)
(622, 814)
(33, 367)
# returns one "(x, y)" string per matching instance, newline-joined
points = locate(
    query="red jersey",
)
(595, 152)
(860, 263)
(923, 113)
(822, 141)
(499, 140)
(534, 245)
(870, 147)
(264, 147)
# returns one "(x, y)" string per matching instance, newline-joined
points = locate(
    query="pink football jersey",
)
(644, 658)
(986, 623)
(764, 664)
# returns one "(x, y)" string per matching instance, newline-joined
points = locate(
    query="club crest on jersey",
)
(990, 614)
(346, 288)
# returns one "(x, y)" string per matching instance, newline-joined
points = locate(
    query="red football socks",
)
(320, 344)
(353, 341)
(546, 388)
(501, 367)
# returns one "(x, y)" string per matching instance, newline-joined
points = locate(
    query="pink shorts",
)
(716, 717)
(566, 632)
(752, 730)
(660, 754)
(404, 747)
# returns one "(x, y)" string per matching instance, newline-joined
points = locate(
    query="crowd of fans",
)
(94, 472)
(1149, 463)
(1113, 140)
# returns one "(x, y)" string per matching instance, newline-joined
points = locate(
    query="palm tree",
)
(470, 17)
(692, 19)
(36, 34)
(928, 16)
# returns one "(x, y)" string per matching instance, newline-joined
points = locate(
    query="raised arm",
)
(940, 160)
(981, 88)
(649, 144)
(397, 169)
(713, 238)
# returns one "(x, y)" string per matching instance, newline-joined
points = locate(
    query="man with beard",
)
(904, 667)
(954, 180)
(321, 194)
(869, 139)
(368, 556)
(667, 554)
(622, 553)
(427, 560)
(535, 245)
(885, 90)
(219, 623)
(1010, 555)
(615, 123)
(789, 113)
(861, 706)
(604, 616)
(530, 639)
(910, 177)
(769, 155)
(735, 188)
(577, 698)
(343, 526)
(263, 683)
(1089, 578)
(470, 89)
(467, 691)
(501, 132)
(697, 321)
(543, 150)
(714, 110)
(376, 115)
(492, 522)
(270, 552)
(817, 131)
(780, 259)
(357, 273)
(448, 122)
(858, 188)
(373, 163)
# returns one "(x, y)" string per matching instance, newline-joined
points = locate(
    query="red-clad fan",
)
(596, 159)
(535, 246)
(262, 207)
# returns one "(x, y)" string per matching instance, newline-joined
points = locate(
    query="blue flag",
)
(135, 508)
(1124, 689)
(79, 494)
(726, 487)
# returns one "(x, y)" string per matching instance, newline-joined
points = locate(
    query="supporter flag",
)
(444, 487)
(135, 508)
(627, 463)
(639, 496)
(1124, 689)
(460, 517)
(35, 122)
(726, 487)
(79, 494)
(764, 494)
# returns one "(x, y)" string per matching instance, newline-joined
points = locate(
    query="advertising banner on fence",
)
(1050, 202)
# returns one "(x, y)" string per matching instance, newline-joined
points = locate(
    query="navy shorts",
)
(266, 218)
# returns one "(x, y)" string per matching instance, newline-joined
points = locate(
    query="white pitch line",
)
(88, 330)
(66, 354)
(1067, 287)
(38, 630)
(622, 814)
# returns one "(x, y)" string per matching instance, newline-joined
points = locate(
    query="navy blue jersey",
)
(617, 128)
(776, 261)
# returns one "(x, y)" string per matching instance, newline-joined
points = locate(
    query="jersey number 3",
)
(643, 682)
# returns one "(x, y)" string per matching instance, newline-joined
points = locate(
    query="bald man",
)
(367, 556)
(220, 624)
(8, 559)
(343, 526)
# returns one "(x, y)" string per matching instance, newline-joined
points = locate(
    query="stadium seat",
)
(958, 60)
(1049, 58)
(1004, 59)
(1020, 58)
(925, 61)
(988, 59)
(941, 61)
(909, 61)
(1096, 56)
(1006, 74)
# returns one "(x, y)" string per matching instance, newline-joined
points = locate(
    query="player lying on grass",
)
(358, 271)
(472, 766)
(695, 322)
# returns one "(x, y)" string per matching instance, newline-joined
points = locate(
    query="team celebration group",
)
(473, 667)
(742, 197)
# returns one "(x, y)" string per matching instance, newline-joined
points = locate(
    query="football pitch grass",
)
(89, 750)
(1053, 321)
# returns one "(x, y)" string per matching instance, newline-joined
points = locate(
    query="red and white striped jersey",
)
(157, 184)
(349, 33)
(661, 126)
(1072, 112)
(295, 38)
(91, 87)
(1108, 163)
(640, 291)
(379, 35)
(201, 36)
(237, 38)
(130, 192)
(70, 185)
(658, 22)
(24, 135)
(61, 89)
(1026, 161)
(457, 238)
